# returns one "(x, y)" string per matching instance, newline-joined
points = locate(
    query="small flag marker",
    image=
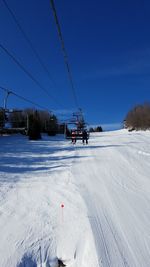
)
(62, 206)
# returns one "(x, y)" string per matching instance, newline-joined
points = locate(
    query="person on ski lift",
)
(85, 137)
(73, 137)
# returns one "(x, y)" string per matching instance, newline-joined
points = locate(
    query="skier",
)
(85, 137)
(73, 137)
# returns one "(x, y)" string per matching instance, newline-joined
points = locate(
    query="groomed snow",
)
(104, 188)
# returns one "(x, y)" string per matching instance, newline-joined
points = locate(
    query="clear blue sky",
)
(108, 46)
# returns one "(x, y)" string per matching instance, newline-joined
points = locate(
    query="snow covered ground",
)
(87, 205)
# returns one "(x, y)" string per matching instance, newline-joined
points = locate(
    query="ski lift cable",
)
(29, 74)
(23, 98)
(28, 41)
(64, 51)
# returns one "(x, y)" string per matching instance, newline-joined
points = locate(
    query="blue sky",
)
(108, 46)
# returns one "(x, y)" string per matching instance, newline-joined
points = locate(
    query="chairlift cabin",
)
(75, 126)
(73, 130)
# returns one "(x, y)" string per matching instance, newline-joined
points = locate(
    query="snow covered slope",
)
(87, 205)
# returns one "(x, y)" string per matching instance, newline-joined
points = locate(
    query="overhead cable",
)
(28, 40)
(23, 98)
(64, 52)
(28, 73)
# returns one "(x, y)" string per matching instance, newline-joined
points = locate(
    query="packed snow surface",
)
(88, 205)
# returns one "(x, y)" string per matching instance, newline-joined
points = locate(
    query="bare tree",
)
(139, 117)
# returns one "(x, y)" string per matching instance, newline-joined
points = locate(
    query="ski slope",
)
(88, 205)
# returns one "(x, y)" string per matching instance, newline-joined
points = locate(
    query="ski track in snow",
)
(105, 189)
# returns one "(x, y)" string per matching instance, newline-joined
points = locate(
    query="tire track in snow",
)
(100, 221)
(103, 254)
(115, 239)
(96, 228)
(99, 238)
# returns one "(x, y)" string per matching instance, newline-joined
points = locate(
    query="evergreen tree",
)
(34, 131)
(52, 126)
(99, 129)
(17, 119)
(91, 130)
(61, 128)
(2, 118)
(44, 118)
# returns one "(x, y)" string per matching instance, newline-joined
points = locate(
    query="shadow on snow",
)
(19, 155)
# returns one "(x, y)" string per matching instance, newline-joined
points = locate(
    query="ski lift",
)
(75, 126)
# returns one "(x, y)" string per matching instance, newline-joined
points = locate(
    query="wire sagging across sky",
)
(64, 52)
(28, 40)
(28, 73)
(23, 98)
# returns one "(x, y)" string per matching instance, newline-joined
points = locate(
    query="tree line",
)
(34, 122)
(96, 129)
(138, 118)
